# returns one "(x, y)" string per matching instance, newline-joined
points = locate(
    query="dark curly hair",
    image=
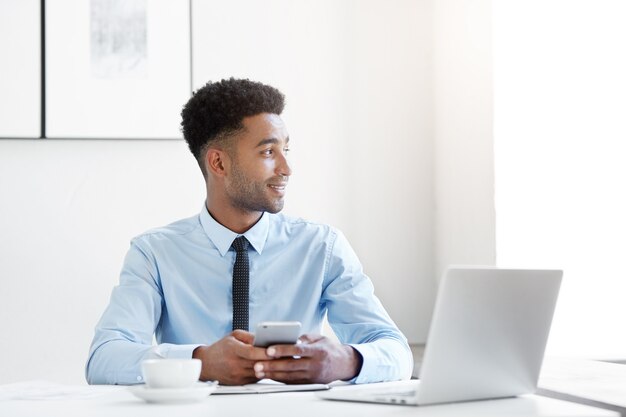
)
(216, 111)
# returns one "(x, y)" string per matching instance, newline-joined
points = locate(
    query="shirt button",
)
(139, 378)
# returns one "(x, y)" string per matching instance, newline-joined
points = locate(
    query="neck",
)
(237, 220)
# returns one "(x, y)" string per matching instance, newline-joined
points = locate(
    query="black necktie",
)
(241, 280)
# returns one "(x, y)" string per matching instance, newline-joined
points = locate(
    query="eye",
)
(267, 152)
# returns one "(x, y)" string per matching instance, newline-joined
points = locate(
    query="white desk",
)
(119, 402)
(590, 382)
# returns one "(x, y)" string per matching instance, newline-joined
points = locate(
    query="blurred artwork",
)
(119, 39)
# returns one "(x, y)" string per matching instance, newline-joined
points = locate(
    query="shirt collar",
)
(222, 237)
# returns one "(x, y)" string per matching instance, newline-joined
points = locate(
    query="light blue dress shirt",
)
(176, 285)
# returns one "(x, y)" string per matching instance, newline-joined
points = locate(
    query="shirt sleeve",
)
(123, 336)
(359, 319)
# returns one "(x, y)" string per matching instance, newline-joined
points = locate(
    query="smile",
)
(277, 187)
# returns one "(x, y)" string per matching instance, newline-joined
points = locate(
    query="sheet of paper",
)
(593, 380)
(267, 386)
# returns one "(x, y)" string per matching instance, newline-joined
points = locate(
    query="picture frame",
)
(20, 84)
(134, 53)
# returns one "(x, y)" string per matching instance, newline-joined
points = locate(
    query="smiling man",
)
(200, 284)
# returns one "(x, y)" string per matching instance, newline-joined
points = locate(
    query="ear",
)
(216, 161)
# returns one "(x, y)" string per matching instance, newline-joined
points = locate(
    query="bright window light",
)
(560, 160)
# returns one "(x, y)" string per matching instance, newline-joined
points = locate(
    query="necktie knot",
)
(240, 244)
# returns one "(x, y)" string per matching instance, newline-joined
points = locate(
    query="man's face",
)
(259, 171)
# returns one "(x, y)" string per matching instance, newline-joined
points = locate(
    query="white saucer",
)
(197, 392)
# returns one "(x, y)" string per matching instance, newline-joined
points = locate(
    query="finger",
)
(310, 338)
(244, 370)
(243, 346)
(243, 336)
(247, 364)
(301, 349)
(297, 377)
(251, 353)
(239, 380)
(283, 365)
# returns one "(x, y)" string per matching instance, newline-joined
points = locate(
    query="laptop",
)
(487, 339)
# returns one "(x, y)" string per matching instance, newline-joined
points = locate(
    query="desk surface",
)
(590, 382)
(119, 402)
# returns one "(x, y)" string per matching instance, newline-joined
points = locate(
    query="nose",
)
(282, 167)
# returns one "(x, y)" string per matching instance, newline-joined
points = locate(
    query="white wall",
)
(67, 212)
(362, 111)
(560, 137)
(464, 177)
(389, 127)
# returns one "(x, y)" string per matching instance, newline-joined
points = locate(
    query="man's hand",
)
(231, 359)
(319, 360)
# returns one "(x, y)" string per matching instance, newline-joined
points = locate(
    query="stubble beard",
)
(248, 195)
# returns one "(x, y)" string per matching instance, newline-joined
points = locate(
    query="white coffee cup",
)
(171, 373)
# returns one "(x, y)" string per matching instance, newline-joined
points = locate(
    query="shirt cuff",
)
(380, 366)
(368, 367)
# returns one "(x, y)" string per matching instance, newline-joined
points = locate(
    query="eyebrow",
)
(270, 140)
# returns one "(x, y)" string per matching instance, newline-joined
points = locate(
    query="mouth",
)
(278, 188)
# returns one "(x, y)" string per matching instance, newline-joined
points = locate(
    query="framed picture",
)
(20, 84)
(116, 69)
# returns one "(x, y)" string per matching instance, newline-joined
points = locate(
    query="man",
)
(184, 283)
